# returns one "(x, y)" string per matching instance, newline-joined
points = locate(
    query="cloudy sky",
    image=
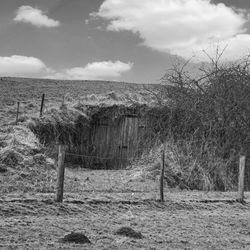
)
(124, 40)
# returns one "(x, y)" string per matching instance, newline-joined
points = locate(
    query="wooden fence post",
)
(42, 104)
(60, 173)
(241, 179)
(63, 100)
(17, 112)
(162, 175)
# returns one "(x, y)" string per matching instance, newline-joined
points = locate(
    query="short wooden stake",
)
(63, 100)
(60, 173)
(241, 179)
(42, 104)
(162, 175)
(17, 112)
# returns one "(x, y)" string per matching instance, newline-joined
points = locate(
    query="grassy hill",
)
(29, 91)
(23, 89)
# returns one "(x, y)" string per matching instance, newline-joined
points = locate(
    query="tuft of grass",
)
(186, 167)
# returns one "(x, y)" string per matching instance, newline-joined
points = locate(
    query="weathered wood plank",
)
(162, 175)
(241, 179)
(60, 173)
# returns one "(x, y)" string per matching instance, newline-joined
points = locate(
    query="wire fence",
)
(42, 108)
(16, 112)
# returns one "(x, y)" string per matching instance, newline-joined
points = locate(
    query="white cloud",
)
(179, 27)
(28, 14)
(94, 71)
(234, 48)
(21, 66)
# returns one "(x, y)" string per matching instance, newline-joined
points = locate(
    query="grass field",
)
(98, 202)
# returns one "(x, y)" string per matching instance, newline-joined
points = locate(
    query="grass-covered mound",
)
(23, 157)
(70, 123)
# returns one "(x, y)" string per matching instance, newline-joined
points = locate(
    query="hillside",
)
(29, 92)
(23, 89)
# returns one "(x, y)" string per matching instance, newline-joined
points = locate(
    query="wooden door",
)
(127, 147)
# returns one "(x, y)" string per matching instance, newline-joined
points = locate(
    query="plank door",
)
(101, 143)
(128, 140)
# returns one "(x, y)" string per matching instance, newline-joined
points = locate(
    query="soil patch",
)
(129, 232)
(78, 238)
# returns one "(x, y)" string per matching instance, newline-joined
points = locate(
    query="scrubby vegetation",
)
(206, 124)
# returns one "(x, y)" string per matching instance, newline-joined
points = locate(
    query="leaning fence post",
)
(17, 112)
(42, 104)
(60, 173)
(63, 100)
(162, 175)
(241, 179)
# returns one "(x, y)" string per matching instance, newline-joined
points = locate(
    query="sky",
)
(121, 40)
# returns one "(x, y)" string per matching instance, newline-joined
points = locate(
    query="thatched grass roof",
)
(69, 124)
(59, 125)
(112, 112)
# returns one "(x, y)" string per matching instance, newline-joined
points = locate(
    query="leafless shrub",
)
(211, 109)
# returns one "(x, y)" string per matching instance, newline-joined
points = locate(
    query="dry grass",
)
(28, 169)
(103, 201)
(186, 167)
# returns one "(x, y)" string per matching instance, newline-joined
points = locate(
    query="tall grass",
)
(188, 168)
